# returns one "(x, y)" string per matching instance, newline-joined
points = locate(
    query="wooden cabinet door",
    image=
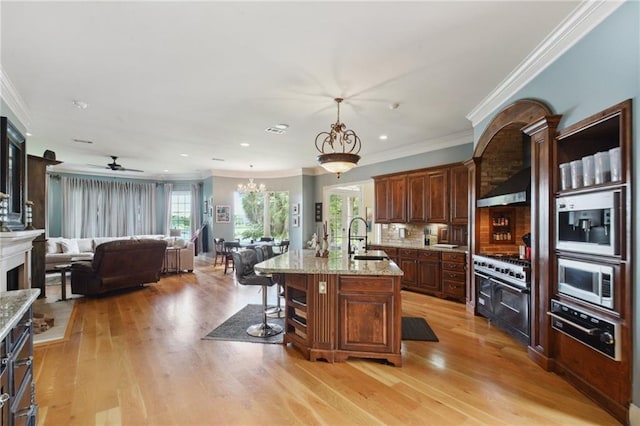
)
(366, 313)
(429, 272)
(381, 188)
(459, 195)
(398, 199)
(416, 202)
(410, 276)
(438, 200)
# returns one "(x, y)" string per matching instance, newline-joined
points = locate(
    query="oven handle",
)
(481, 275)
(510, 287)
(589, 331)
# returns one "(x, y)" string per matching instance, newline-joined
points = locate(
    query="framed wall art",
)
(318, 212)
(223, 214)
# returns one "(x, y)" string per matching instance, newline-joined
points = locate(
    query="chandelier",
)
(338, 147)
(251, 187)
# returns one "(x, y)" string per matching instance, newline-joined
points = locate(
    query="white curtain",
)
(196, 213)
(168, 189)
(96, 208)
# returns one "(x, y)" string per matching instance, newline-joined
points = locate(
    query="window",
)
(261, 214)
(181, 212)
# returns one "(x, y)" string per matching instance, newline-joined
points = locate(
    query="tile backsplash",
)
(413, 233)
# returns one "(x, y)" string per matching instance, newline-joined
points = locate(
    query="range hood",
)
(515, 190)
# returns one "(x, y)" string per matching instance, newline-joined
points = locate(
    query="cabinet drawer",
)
(412, 253)
(450, 266)
(453, 276)
(23, 326)
(367, 285)
(454, 257)
(429, 255)
(453, 289)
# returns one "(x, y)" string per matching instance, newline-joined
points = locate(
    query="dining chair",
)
(229, 248)
(218, 244)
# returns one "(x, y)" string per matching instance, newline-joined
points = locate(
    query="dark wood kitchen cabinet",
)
(459, 195)
(408, 264)
(381, 189)
(416, 197)
(391, 199)
(437, 185)
(398, 199)
(429, 272)
(454, 275)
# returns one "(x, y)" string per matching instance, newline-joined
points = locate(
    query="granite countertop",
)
(13, 305)
(338, 262)
(414, 245)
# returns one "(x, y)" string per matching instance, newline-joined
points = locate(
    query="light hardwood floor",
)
(138, 358)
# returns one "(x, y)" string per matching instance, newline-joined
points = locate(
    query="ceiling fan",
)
(118, 167)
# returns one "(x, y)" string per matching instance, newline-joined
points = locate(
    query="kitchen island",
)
(337, 307)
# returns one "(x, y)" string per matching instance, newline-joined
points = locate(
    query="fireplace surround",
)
(15, 258)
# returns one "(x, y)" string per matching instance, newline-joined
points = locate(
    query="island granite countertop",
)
(13, 305)
(338, 262)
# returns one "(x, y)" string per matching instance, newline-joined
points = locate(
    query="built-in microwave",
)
(589, 223)
(586, 281)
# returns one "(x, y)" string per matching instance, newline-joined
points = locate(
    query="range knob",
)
(607, 338)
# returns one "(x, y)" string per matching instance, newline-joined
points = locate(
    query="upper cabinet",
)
(438, 196)
(435, 195)
(459, 198)
(417, 197)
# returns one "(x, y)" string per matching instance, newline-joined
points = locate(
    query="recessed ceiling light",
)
(80, 104)
(383, 137)
(165, 170)
(244, 144)
(184, 155)
(394, 105)
(282, 126)
(82, 141)
(29, 134)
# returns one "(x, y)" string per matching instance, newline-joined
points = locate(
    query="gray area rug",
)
(235, 328)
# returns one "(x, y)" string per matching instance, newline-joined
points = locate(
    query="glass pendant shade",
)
(338, 147)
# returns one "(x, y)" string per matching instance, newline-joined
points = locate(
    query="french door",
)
(342, 204)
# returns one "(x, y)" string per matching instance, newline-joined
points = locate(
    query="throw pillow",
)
(69, 246)
(85, 245)
(180, 243)
(170, 241)
(53, 246)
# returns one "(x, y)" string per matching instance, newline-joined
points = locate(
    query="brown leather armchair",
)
(119, 264)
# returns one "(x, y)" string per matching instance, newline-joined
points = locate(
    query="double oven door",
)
(504, 304)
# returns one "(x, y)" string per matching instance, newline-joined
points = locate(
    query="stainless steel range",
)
(503, 284)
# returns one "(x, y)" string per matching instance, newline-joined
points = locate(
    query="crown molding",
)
(572, 29)
(13, 99)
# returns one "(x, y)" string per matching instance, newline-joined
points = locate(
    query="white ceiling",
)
(198, 78)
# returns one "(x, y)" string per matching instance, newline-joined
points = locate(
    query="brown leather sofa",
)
(119, 264)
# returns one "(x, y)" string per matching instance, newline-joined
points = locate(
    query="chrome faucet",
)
(350, 250)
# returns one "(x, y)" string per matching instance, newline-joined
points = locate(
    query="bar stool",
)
(245, 275)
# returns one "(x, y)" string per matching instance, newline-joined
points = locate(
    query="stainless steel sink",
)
(369, 257)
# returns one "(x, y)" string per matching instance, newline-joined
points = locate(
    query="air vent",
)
(217, 159)
(274, 130)
(82, 141)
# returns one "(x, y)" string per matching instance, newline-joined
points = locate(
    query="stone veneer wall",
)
(502, 158)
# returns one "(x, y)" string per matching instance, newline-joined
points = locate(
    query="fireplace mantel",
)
(15, 252)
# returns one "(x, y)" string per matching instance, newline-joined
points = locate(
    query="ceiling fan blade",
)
(130, 170)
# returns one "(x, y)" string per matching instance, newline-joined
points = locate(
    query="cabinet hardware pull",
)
(4, 398)
(26, 361)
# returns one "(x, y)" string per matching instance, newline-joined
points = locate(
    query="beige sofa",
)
(61, 250)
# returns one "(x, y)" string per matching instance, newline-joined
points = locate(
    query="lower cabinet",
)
(17, 399)
(334, 317)
(429, 272)
(408, 264)
(434, 272)
(454, 275)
